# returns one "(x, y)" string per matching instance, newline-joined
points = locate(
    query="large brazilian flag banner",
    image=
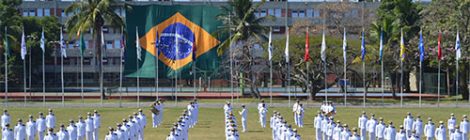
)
(182, 30)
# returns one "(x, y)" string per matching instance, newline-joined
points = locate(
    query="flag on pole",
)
(402, 46)
(123, 43)
(439, 51)
(137, 44)
(363, 46)
(157, 44)
(6, 45)
(43, 41)
(270, 45)
(307, 55)
(381, 49)
(345, 46)
(82, 45)
(62, 45)
(103, 45)
(458, 54)
(323, 48)
(286, 51)
(421, 46)
(23, 46)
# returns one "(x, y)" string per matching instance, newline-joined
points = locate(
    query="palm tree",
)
(246, 30)
(93, 14)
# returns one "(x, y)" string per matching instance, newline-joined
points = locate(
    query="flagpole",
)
(271, 82)
(138, 83)
(194, 78)
(62, 76)
(81, 75)
(457, 83)
(231, 56)
(24, 81)
(43, 80)
(401, 84)
(382, 79)
(156, 63)
(344, 67)
(6, 67)
(420, 81)
(364, 83)
(438, 83)
(29, 71)
(120, 67)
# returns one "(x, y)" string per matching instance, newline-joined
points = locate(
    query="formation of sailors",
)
(231, 130)
(187, 120)
(370, 128)
(281, 130)
(43, 128)
(131, 128)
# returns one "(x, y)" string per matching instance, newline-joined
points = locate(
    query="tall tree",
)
(93, 14)
(449, 16)
(246, 31)
(392, 16)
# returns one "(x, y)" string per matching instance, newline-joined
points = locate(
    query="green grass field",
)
(211, 124)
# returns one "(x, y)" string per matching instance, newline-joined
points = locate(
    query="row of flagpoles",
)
(421, 49)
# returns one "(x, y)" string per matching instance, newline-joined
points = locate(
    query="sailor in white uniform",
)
(263, 112)
(300, 116)
(20, 130)
(408, 124)
(96, 124)
(243, 113)
(111, 135)
(31, 128)
(362, 124)
(451, 123)
(295, 108)
(63, 134)
(5, 118)
(81, 128)
(370, 126)
(418, 126)
(89, 127)
(465, 127)
(390, 133)
(317, 124)
(41, 126)
(72, 130)
(380, 129)
(345, 133)
(7, 133)
(143, 122)
(457, 135)
(429, 130)
(50, 119)
(401, 135)
(50, 135)
(440, 133)
(354, 135)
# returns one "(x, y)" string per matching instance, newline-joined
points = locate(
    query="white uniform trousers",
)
(465, 136)
(95, 134)
(89, 135)
(371, 135)
(154, 120)
(318, 134)
(429, 138)
(31, 137)
(41, 135)
(80, 137)
(244, 124)
(363, 133)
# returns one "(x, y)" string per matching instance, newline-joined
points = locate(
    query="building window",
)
(47, 12)
(263, 13)
(277, 12)
(294, 14)
(86, 61)
(301, 13)
(40, 12)
(109, 44)
(25, 13)
(271, 12)
(32, 12)
(316, 13)
(62, 13)
(105, 30)
(117, 43)
(309, 12)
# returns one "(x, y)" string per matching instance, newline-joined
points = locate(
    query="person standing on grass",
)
(408, 124)
(143, 121)
(243, 114)
(155, 114)
(345, 133)
(50, 135)
(295, 109)
(81, 126)
(62, 134)
(457, 135)
(31, 128)
(263, 112)
(5, 118)
(390, 133)
(111, 135)
(337, 131)
(440, 132)
(429, 129)
(96, 124)
(362, 124)
(89, 127)
(300, 116)
(41, 125)
(370, 125)
(401, 135)
(418, 126)
(20, 130)
(451, 123)
(50, 119)
(317, 123)
(7, 133)
(465, 127)
(72, 130)
(354, 135)
(380, 129)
